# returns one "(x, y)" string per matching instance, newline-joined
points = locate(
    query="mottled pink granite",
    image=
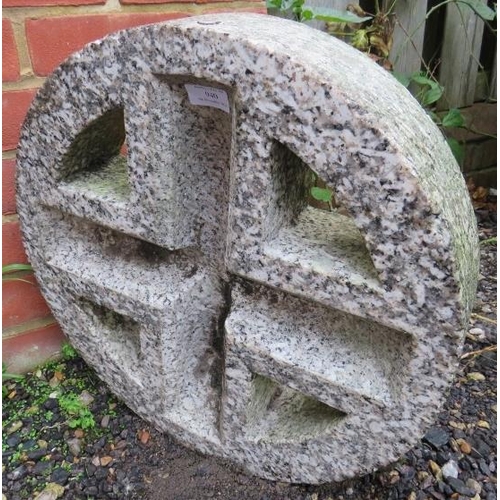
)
(304, 345)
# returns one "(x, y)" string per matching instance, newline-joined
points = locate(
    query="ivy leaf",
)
(483, 11)
(432, 95)
(321, 194)
(453, 118)
(457, 149)
(306, 15)
(273, 4)
(294, 5)
(332, 15)
(422, 79)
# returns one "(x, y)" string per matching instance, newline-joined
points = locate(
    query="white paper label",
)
(207, 96)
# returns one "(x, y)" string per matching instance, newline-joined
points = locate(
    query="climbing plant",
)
(299, 11)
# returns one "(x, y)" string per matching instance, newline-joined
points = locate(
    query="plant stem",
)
(491, 348)
(483, 318)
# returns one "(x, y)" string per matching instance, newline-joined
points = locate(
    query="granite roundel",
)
(163, 179)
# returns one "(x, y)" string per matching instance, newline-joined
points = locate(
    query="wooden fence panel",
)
(493, 80)
(408, 40)
(459, 59)
(460, 55)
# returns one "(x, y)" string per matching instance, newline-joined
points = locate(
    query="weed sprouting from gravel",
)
(50, 417)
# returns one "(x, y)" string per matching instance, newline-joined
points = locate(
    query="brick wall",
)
(36, 36)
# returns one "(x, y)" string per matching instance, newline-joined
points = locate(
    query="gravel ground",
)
(82, 443)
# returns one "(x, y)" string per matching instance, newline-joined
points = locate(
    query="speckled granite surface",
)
(305, 346)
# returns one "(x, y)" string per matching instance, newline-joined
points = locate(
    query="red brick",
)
(10, 59)
(51, 40)
(36, 345)
(40, 3)
(262, 9)
(15, 104)
(12, 246)
(145, 2)
(8, 187)
(256, 10)
(22, 301)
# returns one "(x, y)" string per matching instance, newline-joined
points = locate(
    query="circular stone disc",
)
(163, 179)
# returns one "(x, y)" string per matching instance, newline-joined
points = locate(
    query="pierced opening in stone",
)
(121, 331)
(352, 359)
(279, 414)
(96, 164)
(108, 252)
(125, 247)
(319, 234)
(292, 181)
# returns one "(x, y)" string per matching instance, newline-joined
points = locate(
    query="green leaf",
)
(68, 351)
(360, 40)
(489, 241)
(457, 149)
(9, 270)
(402, 79)
(15, 268)
(321, 194)
(453, 118)
(306, 15)
(70, 404)
(73, 423)
(273, 4)
(9, 376)
(294, 5)
(424, 79)
(87, 421)
(333, 15)
(421, 78)
(482, 10)
(431, 96)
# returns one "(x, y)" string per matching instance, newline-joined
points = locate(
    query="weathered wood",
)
(483, 86)
(493, 80)
(408, 41)
(460, 55)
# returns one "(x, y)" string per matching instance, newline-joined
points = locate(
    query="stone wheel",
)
(174, 244)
